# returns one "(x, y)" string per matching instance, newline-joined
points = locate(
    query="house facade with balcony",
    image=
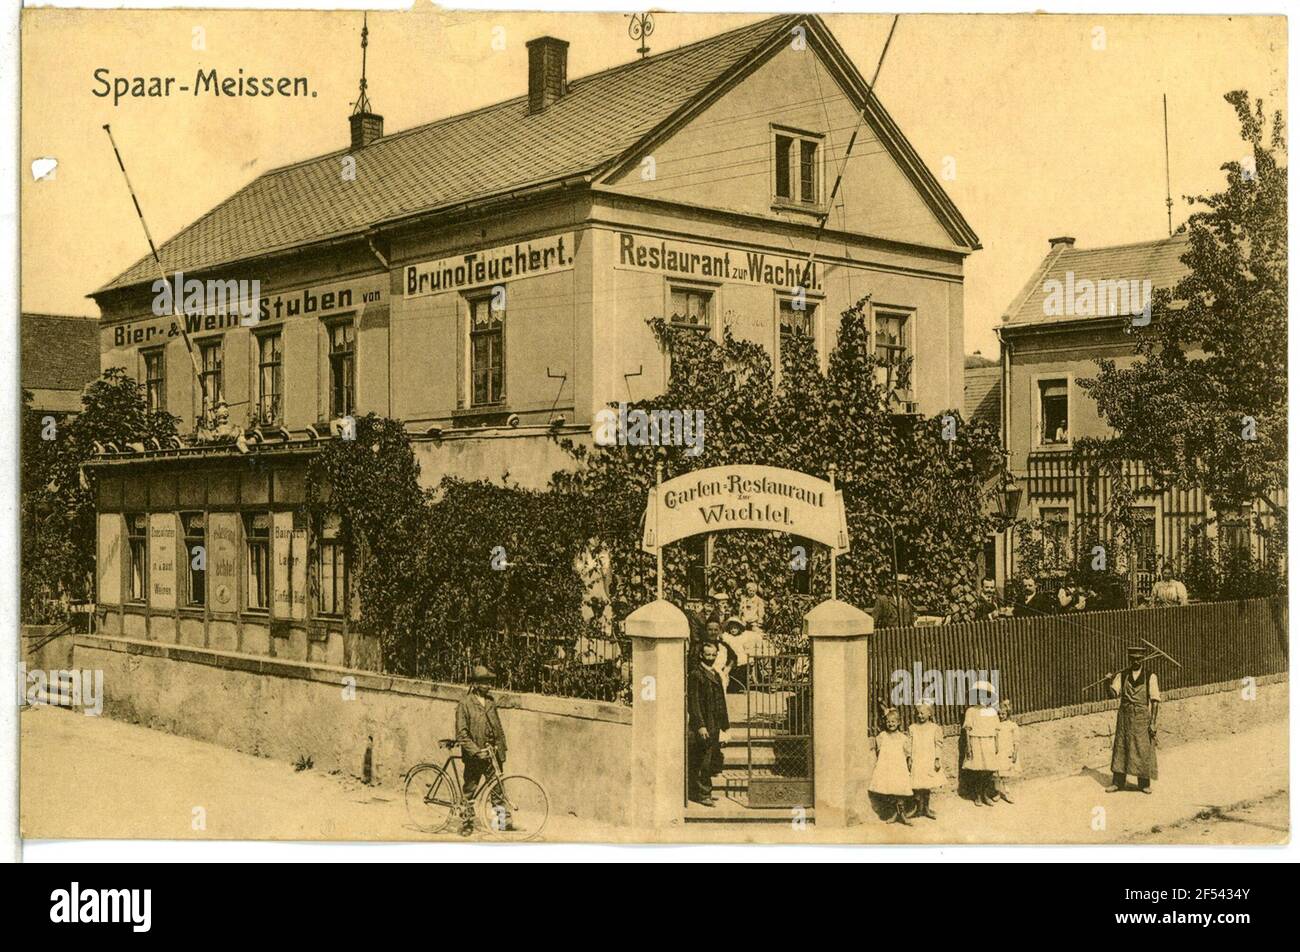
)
(1080, 305)
(487, 279)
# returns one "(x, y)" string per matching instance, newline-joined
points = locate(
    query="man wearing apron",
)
(1134, 752)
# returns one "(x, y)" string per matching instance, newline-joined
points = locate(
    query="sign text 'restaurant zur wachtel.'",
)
(689, 259)
(523, 259)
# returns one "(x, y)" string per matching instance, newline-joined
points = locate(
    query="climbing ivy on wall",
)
(490, 571)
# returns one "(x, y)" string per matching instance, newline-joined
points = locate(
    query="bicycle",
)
(510, 806)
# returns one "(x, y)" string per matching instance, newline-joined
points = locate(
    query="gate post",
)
(838, 633)
(659, 632)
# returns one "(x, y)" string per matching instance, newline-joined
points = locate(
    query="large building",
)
(487, 279)
(1079, 306)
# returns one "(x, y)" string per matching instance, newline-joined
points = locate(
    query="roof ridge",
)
(522, 98)
(1149, 243)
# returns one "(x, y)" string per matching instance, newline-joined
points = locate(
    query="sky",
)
(1037, 125)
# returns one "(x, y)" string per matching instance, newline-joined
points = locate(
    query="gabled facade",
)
(487, 279)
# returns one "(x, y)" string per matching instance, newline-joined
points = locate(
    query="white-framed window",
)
(194, 530)
(797, 318)
(891, 341)
(487, 349)
(342, 339)
(257, 551)
(331, 569)
(211, 362)
(797, 167)
(1052, 417)
(137, 537)
(155, 378)
(270, 377)
(691, 307)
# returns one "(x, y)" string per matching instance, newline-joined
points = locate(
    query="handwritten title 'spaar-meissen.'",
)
(205, 82)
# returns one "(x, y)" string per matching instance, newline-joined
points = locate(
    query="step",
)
(731, 810)
(741, 754)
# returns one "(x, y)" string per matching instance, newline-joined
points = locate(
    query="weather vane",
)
(642, 25)
(363, 101)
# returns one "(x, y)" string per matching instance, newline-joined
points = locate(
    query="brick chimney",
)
(366, 128)
(1065, 241)
(548, 72)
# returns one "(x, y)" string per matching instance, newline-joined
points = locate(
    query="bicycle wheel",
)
(514, 807)
(432, 800)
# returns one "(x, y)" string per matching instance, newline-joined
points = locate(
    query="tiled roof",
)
(59, 352)
(984, 394)
(1157, 261)
(472, 156)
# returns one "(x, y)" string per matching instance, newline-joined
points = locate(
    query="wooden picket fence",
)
(1054, 661)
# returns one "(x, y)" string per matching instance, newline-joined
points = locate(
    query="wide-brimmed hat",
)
(481, 674)
(733, 620)
(1136, 652)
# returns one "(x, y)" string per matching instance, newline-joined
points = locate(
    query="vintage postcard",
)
(677, 427)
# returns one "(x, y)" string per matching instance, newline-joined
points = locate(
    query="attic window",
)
(797, 167)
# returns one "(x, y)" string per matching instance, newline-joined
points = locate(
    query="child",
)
(981, 729)
(753, 609)
(1008, 751)
(925, 738)
(891, 778)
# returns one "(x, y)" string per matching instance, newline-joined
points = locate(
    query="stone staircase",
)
(731, 786)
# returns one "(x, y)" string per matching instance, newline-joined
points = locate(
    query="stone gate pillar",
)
(838, 633)
(659, 632)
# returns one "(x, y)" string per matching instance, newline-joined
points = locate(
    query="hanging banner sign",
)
(745, 497)
(523, 259)
(690, 259)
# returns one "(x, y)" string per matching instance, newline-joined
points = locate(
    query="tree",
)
(1205, 402)
(902, 480)
(58, 500)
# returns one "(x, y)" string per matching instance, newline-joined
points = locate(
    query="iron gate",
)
(778, 708)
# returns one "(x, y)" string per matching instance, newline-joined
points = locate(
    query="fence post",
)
(658, 632)
(838, 633)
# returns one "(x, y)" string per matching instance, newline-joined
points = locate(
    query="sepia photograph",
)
(470, 427)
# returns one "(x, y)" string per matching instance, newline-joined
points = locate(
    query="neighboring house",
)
(983, 390)
(1080, 305)
(60, 356)
(983, 401)
(487, 279)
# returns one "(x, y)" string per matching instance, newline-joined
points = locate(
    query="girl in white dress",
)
(980, 728)
(1008, 751)
(892, 778)
(925, 738)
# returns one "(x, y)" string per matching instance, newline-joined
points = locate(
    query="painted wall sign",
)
(316, 302)
(162, 560)
(745, 497)
(522, 259)
(690, 259)
(109, 561)
(223, 561)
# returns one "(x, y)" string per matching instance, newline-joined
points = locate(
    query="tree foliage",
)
(490, 572)
(1205, 402)
(58, 504)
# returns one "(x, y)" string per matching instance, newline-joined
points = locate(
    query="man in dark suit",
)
(706, 708)
(1033, 603)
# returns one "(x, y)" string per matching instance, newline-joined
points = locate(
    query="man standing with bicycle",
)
(480, 735)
